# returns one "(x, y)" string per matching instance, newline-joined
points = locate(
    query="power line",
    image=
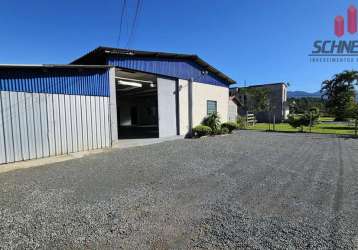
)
(124, 7)
(125, 22)
(134, 24)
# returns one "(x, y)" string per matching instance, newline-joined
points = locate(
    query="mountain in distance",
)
(301, 94)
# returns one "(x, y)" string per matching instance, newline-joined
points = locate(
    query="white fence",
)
(250, 119)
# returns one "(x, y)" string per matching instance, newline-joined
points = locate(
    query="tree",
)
(257, 100)
(355, 116)
(340, 94)
(301, 105)
(309, 118)
(298, 121)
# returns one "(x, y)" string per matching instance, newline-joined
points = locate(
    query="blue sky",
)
(255, 41)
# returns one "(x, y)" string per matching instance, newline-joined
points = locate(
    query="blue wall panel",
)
(184, 69)
(90, 82)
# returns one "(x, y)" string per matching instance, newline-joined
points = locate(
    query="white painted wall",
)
(202, 93)
(34, 125)
(183, 106)
(232, 111)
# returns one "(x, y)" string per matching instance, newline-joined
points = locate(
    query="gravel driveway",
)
(248, 190)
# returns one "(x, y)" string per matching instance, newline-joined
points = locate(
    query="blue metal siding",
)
(183, 69)
(88, 82)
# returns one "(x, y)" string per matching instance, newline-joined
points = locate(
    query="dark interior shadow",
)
(348, 137)
(338, 128)
(133, 132)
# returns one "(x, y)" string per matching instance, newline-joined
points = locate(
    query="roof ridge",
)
(99, 51)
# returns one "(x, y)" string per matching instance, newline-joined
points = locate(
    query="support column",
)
(190, 106)
(113, 105)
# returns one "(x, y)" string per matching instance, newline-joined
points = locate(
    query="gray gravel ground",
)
(248, 190)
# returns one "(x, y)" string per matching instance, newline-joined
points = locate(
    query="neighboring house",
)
(277, 96)
(233, 108)
(106, 95)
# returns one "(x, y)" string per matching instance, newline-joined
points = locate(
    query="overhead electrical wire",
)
(135, 21)
(124, 7)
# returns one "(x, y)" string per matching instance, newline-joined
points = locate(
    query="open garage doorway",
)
(137, 105)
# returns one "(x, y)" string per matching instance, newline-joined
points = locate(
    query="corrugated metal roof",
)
(55, 80)
(177, 68)
(99, 56)
(69, 66)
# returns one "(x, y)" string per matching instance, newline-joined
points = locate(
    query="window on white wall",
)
(211, 107)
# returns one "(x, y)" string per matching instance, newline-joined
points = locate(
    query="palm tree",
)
(340, 94)
(349, 77)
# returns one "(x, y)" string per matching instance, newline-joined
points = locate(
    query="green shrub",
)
(314, 110)
(295, 121)
(212, 121)
(231, 126)
(202, 130)
(303, 119)
(224, 131)
(241, 122)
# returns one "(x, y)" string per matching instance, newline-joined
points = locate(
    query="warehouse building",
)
(106, 95)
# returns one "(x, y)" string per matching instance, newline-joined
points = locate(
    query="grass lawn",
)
(321, 128)
(326, 119)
